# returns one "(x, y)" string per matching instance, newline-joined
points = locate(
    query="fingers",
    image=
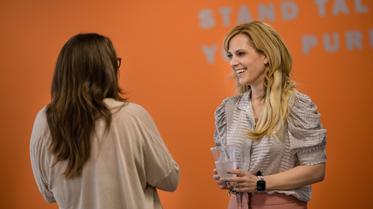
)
(238, 172)
(244, 182)
(215, 175)
(242, 187)
(222, 186)
(221, 183)
(236, 179)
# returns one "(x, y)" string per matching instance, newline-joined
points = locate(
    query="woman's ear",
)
(265, 60)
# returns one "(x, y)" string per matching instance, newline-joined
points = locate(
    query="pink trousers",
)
(266, 201)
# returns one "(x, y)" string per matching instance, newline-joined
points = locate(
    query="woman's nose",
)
(233, 62)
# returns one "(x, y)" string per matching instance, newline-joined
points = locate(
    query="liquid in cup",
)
(222, 167)
(224, 160)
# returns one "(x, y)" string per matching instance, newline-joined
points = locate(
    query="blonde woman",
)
(277, 128)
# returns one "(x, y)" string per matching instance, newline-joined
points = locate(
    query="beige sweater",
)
(127, 164)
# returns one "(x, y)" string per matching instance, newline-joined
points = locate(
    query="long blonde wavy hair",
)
(278, 85)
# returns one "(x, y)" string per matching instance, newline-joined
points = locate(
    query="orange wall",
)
(166, 71)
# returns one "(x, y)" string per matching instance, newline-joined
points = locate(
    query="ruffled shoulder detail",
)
(222, 114)
(304, 125)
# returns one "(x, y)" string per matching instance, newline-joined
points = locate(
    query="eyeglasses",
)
(119, 61)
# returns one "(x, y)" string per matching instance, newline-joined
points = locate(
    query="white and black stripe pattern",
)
(302, 144)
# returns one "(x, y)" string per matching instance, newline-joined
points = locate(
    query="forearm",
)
(296, 177)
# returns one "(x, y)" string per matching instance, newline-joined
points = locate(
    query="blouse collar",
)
(243, 102)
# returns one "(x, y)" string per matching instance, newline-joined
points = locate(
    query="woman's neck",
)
(257, 98)
(257, 93)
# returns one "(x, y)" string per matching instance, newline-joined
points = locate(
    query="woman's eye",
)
(229, 56)
(240, 54)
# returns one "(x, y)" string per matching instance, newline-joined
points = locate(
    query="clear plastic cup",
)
(225, 160)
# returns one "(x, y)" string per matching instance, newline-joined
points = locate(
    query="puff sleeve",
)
(220, 124)
(307, 135)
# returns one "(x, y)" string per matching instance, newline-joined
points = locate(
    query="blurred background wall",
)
(173, 65)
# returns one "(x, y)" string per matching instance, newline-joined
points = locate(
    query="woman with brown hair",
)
(90, 147)
(277, 129)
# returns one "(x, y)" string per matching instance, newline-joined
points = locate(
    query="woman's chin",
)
(243, 82)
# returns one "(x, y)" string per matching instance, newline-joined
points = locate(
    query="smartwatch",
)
(260, 183)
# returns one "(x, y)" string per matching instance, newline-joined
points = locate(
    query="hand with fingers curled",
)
(219, 181)
(243, 181)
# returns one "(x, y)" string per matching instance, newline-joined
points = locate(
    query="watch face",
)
(261, 185)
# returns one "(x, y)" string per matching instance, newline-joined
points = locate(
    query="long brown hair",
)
(278, 85)
(86, 72)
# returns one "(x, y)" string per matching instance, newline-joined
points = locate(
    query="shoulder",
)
(301, 102)
(41, 114)
(303, 112)
(301, 96)
(126, 109)
(221, 108)
(136, 112)
(128, 113)
(224, 109)
(40, 122)
(232, 100)
(40, 129)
